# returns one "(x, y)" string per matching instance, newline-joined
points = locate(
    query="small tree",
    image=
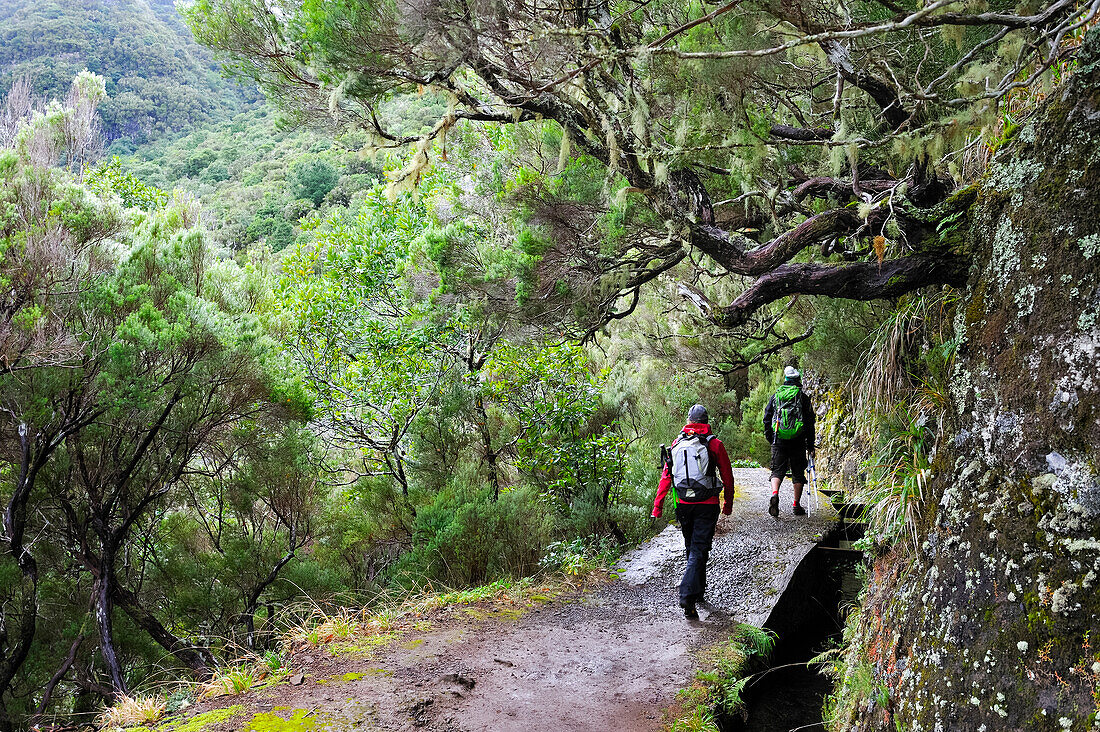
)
(370, 360)
(312, 179)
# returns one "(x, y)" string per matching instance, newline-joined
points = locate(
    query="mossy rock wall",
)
(843, 462)
(994, 623)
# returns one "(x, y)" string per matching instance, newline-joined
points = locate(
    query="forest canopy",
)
(800, 147)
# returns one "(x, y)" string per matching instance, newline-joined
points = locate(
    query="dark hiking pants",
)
(697, 522)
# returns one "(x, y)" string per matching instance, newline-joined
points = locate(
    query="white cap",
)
(790, 373)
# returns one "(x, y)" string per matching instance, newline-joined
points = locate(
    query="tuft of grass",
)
(231, 681)
(900, 397)
(133, 712)
(245, 674)
(322, 629)
(719, 684)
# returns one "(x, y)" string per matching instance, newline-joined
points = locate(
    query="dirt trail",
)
(613, 658)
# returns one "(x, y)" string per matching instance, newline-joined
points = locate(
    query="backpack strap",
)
(712, 464)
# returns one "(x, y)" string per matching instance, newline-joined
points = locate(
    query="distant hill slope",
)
(242, 168)
(158, 78)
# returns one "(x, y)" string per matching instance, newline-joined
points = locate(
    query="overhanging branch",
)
(859, 281)
(717, 244)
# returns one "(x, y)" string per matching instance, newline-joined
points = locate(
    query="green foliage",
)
(270, 225)
(718, 685)
(900, 406)
(257, 179)
(158, 372)
(110, 177)
(841, 335)
(54, 235)
(466, 540)
(576, 557)
(312, 179)
(897, 474)
(373, 360)
(158, 79)
(854, 682)
(554, 396)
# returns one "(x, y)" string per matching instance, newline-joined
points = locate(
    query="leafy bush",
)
(312, 179)
(110, 177)
(470, 542)
(578, 556)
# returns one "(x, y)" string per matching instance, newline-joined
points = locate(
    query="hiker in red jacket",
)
(698, 467)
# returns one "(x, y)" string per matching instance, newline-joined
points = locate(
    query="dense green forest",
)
(158, 79)
(420, 316)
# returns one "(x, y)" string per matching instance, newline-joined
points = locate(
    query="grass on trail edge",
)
(719, 682)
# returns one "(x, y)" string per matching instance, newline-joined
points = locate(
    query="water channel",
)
(807, 619)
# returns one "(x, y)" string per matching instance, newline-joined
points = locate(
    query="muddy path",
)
(610, 658)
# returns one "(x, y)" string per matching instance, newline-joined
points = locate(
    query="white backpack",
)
(693, 472)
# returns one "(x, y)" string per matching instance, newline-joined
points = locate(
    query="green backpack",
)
(787, 419)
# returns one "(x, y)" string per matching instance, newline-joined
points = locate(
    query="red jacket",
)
(722, 461)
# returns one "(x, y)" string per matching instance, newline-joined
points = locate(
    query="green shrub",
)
(312, 179)
(475, 540)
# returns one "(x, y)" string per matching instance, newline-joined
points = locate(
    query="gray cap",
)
(698, 415)
(791, 373)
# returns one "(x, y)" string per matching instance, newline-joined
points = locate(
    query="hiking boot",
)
(773, 506)
(689, 609)
(798, 510)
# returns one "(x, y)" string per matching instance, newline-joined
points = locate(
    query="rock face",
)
(994, 624)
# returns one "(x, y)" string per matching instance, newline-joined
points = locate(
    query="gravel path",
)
(610, 659)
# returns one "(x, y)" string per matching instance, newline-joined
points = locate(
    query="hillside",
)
(158, 79)
(259, 178)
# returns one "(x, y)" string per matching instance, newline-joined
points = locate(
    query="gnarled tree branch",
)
(858, 281)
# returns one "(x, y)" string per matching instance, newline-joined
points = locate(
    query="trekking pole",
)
(813, 483)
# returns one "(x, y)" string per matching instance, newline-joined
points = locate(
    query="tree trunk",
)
(15, 517)
(47, 693)
(487, 444)
(104, 606)
(396, 467)
(253, 599)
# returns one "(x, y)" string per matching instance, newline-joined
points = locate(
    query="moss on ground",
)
(199, 722)
(299, 720)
